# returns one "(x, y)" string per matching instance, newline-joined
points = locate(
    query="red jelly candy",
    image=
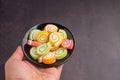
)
(68, 44)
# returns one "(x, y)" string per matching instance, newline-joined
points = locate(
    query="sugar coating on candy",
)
(56, 39)
(63, 33)
(51, 28)
(33, 34)
(49, 58)
(43, 49)
(33, 53)
(42, 37)
(49, 45)
(40, 59)
(61, 53)
(33, 43)
(67, 44)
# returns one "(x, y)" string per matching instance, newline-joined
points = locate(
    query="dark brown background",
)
(94, 23)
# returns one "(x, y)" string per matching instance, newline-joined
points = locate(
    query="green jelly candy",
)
(61, 53)
(33, 53)
(63, 33)
(33, 34)
(43, 49)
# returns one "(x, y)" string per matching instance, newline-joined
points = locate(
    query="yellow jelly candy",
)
(53, 48)
(42, 37)
(55, 39)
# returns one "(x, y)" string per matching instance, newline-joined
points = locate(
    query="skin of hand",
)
(18, 69)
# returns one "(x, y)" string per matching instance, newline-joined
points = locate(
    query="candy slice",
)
(63, 33)
(33, 34)
(42, 37)
(53, 48)
(43, 49)
(67, 44)
(33, 53)
(40, 59)
(61, 53)
(56, 39)
(51, 28)
(33, 43)
(49, 58)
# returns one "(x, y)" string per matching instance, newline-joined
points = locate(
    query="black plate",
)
(26, 48)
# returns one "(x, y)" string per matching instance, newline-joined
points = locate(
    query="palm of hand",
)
(38, 73)
(18, 69)
(23, 70)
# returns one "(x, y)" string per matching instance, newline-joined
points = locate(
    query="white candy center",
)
(54, 37)
(49, 55)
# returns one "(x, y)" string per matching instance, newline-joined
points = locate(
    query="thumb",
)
(18, 54)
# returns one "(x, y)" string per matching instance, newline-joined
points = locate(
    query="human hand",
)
(18, 69)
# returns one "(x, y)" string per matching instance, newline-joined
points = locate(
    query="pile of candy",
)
(49, 45)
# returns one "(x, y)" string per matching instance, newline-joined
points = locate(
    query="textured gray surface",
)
(94, 23)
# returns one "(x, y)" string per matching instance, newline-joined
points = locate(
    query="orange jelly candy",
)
(49, 58)
(51, 28)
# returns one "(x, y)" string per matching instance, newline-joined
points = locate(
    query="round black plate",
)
(26, 48)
